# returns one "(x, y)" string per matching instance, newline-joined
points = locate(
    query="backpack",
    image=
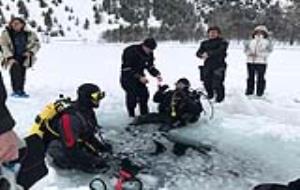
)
(49, 112)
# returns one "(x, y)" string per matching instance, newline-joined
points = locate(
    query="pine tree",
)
(293, 16)
(22, 9)
(97, 16)
(43, 4)
(67, 9)
(55, 21)
(33, 23)
(179, 19)
(86, 25)
(77, 22)
(39, 29)
(2, 18)
(132, 11)
(48, 20)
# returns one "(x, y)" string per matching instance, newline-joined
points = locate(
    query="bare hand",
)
(144, 80)
(9, 63)
(8, 147)
(27, 54)
(204, 55)
(159, 78)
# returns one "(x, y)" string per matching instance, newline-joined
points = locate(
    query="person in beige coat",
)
(257, 51)
(19, 46)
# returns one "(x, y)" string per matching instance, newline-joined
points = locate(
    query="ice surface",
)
(254, 140)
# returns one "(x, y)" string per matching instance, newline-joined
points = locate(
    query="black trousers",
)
(256, 71)
(213, 79)
(32, 159)
(136, 94)
(18, 76)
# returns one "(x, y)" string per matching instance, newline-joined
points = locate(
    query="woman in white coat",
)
(257, 51)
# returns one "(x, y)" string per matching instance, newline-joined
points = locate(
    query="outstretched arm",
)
(151, 67)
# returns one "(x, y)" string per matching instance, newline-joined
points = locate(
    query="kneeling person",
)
(66, 132)
(176, 108)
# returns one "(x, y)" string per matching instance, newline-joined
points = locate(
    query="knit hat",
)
(150, 43)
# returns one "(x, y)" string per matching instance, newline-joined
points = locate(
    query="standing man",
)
(213, 52)
(19, 46)
(135, 59)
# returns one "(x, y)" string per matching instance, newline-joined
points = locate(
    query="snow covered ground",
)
(256, 140)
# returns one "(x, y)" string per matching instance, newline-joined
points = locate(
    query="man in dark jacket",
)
(213, 52)
(135, 60)
(8, 139)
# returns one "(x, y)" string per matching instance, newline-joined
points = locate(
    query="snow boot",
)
(250, 87)
(261, 85)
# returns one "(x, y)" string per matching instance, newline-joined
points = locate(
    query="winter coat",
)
(216, 51)
(6, 120)
(8, 49)
(186, 104)
(260, 48)
(77, 128)
(134, 63)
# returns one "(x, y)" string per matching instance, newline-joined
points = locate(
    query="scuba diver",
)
(68, 133)
(176, 108)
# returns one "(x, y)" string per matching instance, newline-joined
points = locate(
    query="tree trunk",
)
(292, 36)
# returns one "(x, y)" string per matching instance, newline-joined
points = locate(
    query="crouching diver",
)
(176, 108)
(67, 132)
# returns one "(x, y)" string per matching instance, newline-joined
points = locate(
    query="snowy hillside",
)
(255, 140)
(65, 16)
